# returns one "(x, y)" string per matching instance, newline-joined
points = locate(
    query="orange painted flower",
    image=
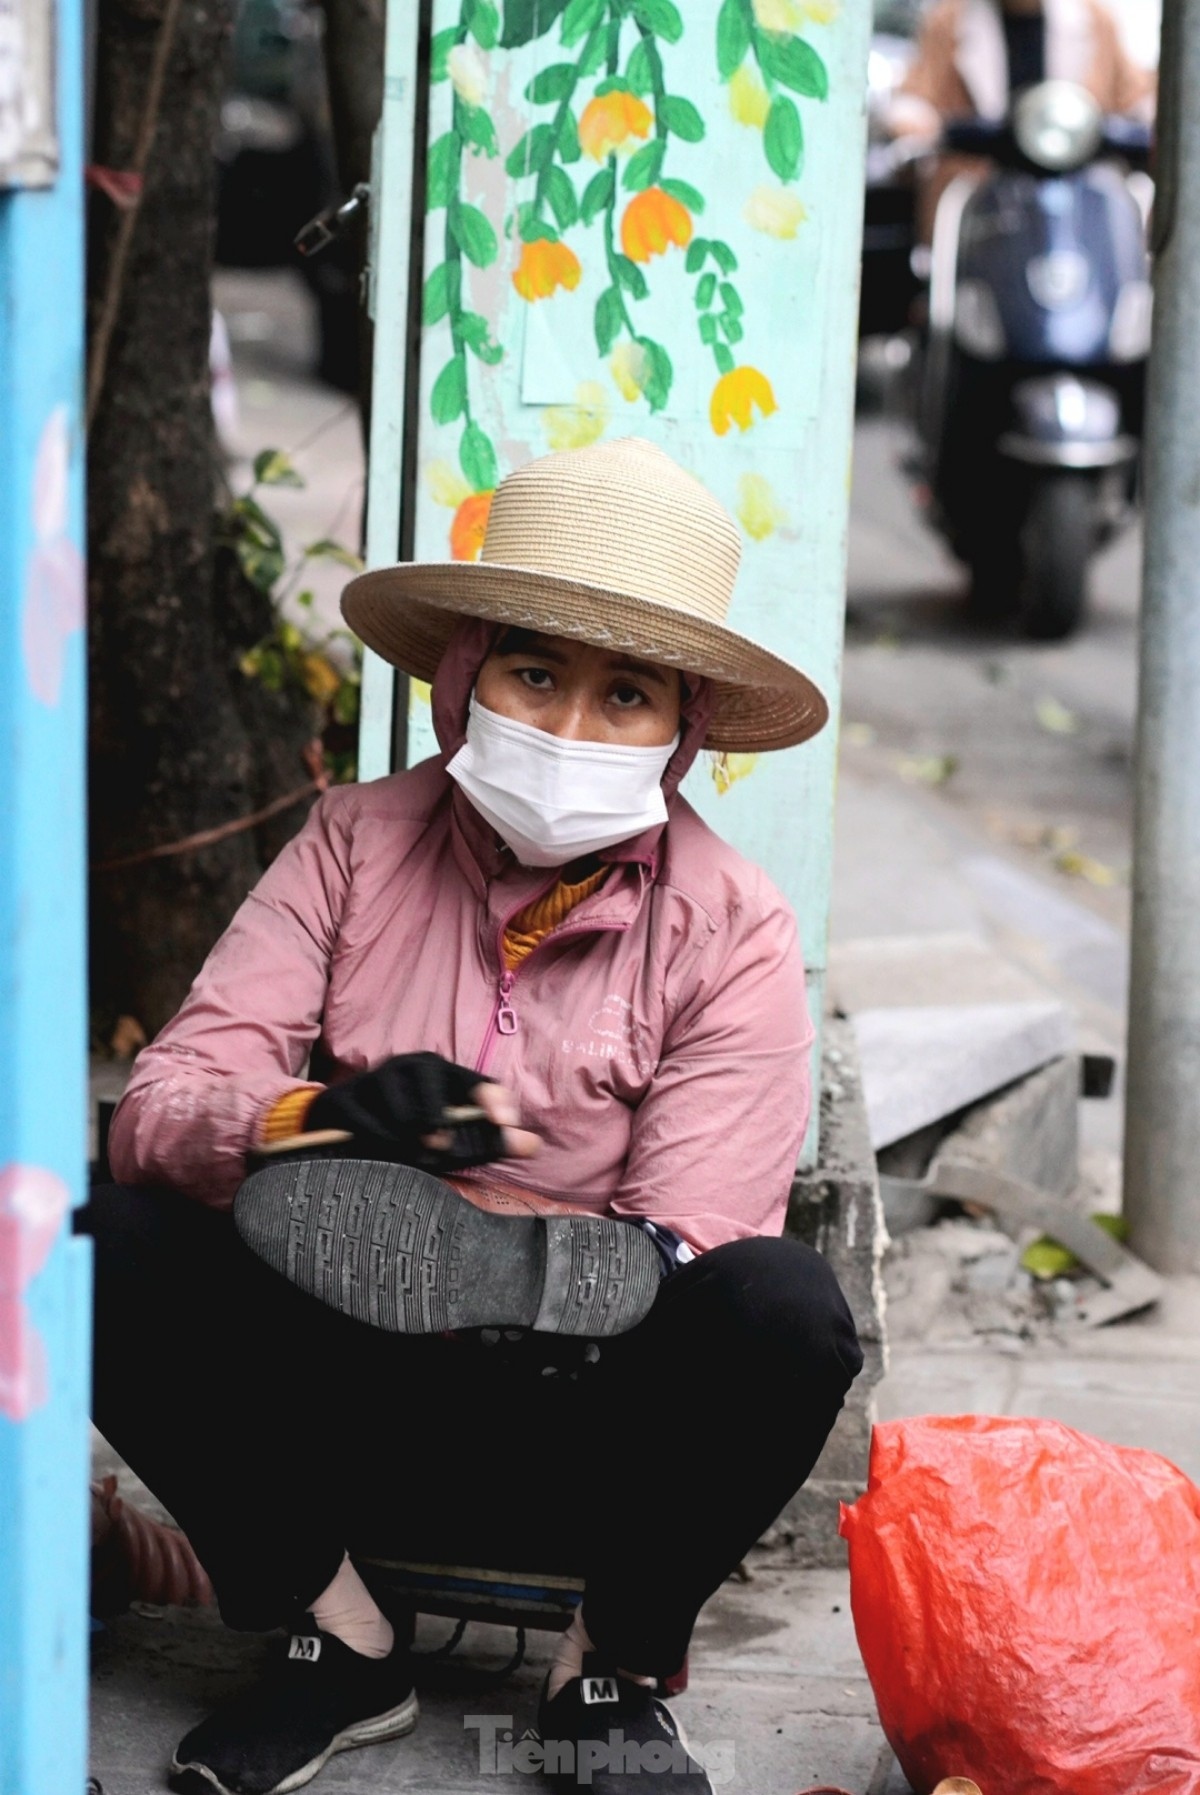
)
(469, 527)
(735, 396)
(653, 220)
(611, 122)
(544, 267)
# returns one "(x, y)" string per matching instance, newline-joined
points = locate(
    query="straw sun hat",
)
(615, 545)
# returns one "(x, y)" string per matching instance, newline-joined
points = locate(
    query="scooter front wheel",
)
(1057, 541)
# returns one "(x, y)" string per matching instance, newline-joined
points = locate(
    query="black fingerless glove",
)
(389, 1109)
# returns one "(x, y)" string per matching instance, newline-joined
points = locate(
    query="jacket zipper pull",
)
(506, 1016)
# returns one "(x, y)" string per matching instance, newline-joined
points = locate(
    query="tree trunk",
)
(181, 740)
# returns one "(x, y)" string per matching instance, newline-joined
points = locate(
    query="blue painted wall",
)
(44, 1274)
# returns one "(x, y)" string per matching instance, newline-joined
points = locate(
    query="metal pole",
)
(1162, 1124)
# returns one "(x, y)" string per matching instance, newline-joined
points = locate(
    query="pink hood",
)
(661, 1043)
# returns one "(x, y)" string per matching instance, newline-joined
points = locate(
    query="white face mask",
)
(553, 801)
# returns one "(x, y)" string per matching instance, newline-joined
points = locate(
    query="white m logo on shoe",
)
(305, 1646)
(599, 1689)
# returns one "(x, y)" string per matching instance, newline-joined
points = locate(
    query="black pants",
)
(279, 1433)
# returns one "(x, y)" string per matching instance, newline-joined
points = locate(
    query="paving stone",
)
(922, 1063)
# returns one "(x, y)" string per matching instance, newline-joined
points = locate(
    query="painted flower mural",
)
(596, 190)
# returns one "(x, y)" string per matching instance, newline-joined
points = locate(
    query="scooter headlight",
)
(1058, 125)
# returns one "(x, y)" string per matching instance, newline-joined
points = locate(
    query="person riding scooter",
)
(974, 55)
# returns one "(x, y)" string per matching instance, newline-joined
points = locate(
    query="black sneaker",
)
(319, 1699)
(395, 1247)
(605, 1733)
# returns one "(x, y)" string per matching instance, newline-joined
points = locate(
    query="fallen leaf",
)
(1083, 866)
(928, 769)
(1047, 1258)
(1056, 718)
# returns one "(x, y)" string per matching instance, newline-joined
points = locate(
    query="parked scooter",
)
(1031, 391)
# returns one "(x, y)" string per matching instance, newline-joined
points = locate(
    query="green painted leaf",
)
(724, 358)
(697, 250)
(531, 153)
(612, 84)
(783, 138)
(642, 169)
(476, 128)
(732, 300)
(483, 22)
(723, 256)
(534, 229)
(731, 328)
(474, 235)
(273, 467)
(594, 51)
(733, 37)
(630, 276)
(476, 334)
(638, 71)
(579, 18)
(435, 302)
(449, 395)
(568, 137)
(793, 63)
(560, 192)
(526, 19)
(439, 53)
(596, 195)
(661, 17)
(708, 329)
(610, 319)
(477, 458)
(706, 286)
(658, 374)
(681, 117)
(687, 196)
(553, 83)
(441, 175)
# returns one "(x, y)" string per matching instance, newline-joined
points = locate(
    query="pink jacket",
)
(658, 1039)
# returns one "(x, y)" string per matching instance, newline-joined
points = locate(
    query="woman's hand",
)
(501, 1108)
(403, 1110)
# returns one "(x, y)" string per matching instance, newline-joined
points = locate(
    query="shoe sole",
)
(199, 1779)
(396, 1248)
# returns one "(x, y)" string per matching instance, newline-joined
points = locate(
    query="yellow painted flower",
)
(735, 397)
(759, 511)
(468, 74)
(419, 692)
(575, 426)
(775, 211)
(544, 267)
(792, 15)
(610, 122)
(727, 769)
(653, 221)
(628, 367)
(470, 526)
(749, 101)
(446, 484)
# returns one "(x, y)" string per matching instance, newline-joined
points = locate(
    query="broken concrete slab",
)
(922, 1063)
(1029, 1130)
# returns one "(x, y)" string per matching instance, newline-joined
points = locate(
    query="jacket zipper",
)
(504, 1019)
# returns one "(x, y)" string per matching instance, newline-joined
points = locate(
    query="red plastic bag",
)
(1027, 1604)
